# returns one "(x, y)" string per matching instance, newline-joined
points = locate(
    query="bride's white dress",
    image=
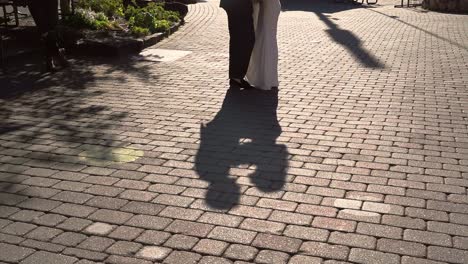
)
(263, 67)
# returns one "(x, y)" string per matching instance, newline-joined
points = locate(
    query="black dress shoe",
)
(242, 84)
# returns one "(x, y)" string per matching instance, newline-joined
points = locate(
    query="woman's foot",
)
(240, 83)
(61, 60)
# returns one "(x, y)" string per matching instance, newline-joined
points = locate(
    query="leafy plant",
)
(152, 17)
(140, 32)
(111, 8)
(107, 14)
(88, 19)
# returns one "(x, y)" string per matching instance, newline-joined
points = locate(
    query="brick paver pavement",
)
(360, 157)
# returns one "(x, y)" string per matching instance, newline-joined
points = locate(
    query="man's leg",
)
(45, 14)
(242, 40)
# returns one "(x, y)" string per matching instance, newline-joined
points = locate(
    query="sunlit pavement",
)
(361, 156)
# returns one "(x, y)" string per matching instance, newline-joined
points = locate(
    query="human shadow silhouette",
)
(243, 132)
(346, 38)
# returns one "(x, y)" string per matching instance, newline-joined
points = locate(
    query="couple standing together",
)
(253, 48)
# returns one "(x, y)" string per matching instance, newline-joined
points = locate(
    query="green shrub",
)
(88, 19)
(152, 17)
(111, 8)
(104, 14)
(140, 32)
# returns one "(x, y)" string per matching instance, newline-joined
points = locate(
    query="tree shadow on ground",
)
(344, 37)
(49, 119)
(244, 132)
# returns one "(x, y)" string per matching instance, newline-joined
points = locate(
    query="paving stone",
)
(232, 235)
(427, 214)
(18, 228)
(191, 228)
(96, 243)
(334, 224)
(335, 262)
(383, 208)
(69, 175)
(317, 210)
(6, 211)
(182, 257)
(275, 242)
(372, 257)
(49, 219)
(458, 218)
(181, 213)
(220, 219)
(249, 211)
(126, 260)
(25, 215)
(153, 237)
(44, 233)
(72, 186)
(270, 256)
(448, 228)
(12, 253)
(41, 182)
(324, 250)
(135, 195)
(4, 222)
(142, 208)
(450, 255)
(12, 239)
(302, 198)
(106, 202)
(300, 259)
(262, 226)
(181, 242)
(110, 216)
(401, 247)
(413, 260)
(123, 248)
(243, 252)
(290, 218)
(39, 204)
(148, 222)
(74, 210)
(39, 192)
(41, 245)
(85, 254)
(210, 247)
(101, 229)
(125, 233)
(214, 260)
(100, 180)
(380, 230)
(426, 237)
(361, 216)
(104, 190)
(353, 240)
(307, 233)
(405, 222)
(132, 184)
(74, 224)
(69, 239)
(277, 204)
(460, 242)
(43, 257)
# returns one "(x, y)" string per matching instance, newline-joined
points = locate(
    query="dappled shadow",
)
(344, 37)
(456, 44)
(244, 132)
(49, 119)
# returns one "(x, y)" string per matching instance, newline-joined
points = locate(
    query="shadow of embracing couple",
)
(242, 135)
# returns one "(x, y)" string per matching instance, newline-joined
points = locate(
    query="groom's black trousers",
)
(242, 37)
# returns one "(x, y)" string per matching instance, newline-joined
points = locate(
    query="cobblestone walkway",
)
(361, 157)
